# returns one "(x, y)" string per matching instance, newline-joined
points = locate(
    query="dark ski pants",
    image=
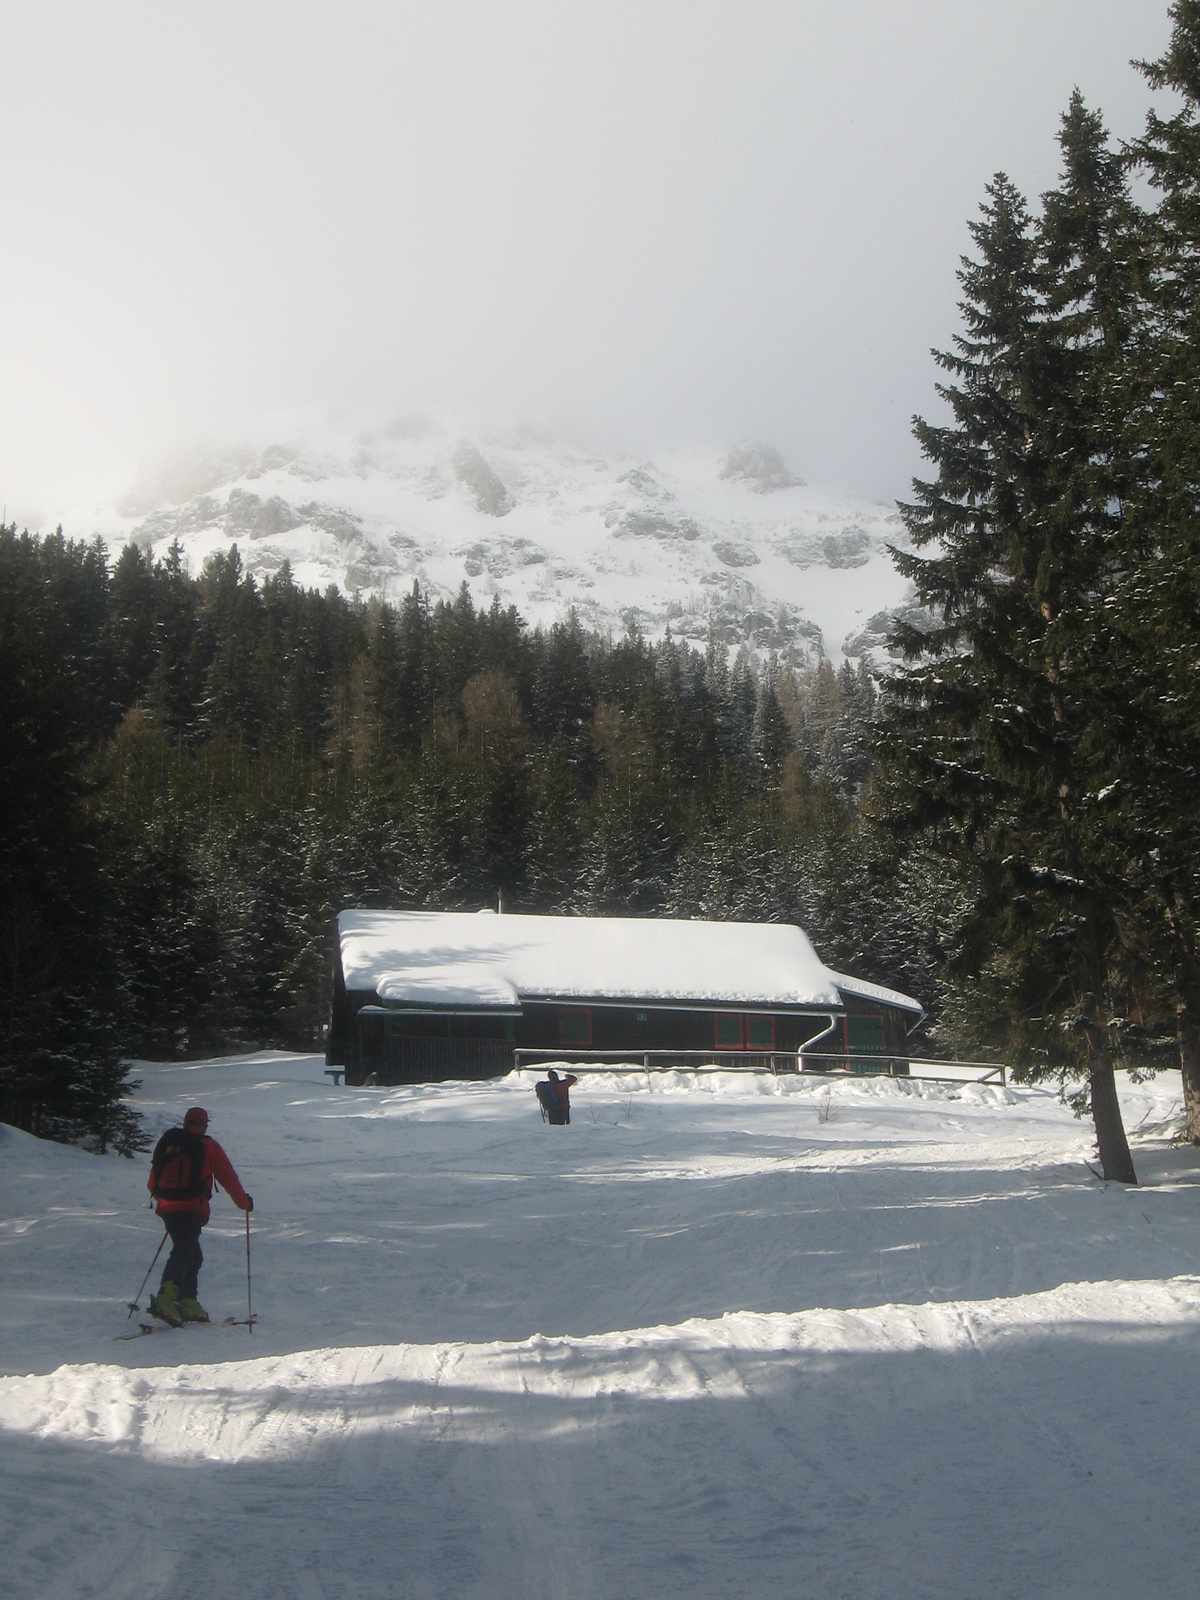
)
(184, 1262)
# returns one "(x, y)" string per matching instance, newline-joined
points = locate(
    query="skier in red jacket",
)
(186, 1160)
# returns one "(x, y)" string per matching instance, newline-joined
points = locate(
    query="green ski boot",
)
(192, 1311)
(165, 1305)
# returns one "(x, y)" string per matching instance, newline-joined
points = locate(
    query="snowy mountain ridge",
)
(734, 546)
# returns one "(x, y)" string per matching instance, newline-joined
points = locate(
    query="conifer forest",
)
(1000, 817)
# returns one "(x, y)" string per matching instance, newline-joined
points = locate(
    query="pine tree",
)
(772, 738)
(988, 730)
(555, 839)
(415, 680)
(740, 708)
(232, 618)
(1157, 608)
(175, 686)
(61, 1068)
(129, 627)
(563, 695)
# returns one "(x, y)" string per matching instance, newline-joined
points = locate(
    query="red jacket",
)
(216, 1165)
(562, 1089)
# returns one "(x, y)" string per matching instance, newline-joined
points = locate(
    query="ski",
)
(144, 1328)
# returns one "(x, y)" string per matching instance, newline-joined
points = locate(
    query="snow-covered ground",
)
(704, 1341)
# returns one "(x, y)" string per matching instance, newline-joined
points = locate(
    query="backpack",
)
(177, 1166)
(548, 1100)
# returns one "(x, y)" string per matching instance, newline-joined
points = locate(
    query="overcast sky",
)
(652, 224)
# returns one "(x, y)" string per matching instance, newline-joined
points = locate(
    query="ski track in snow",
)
(698, 1343)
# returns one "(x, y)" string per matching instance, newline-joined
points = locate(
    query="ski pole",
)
(249, 1306)
(133, 1304)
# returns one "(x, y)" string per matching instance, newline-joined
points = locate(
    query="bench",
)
(336, 1073)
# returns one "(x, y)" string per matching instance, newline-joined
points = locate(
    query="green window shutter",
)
(727, 1030)
(865, 1035)
(575, 1028)
(760, 1033)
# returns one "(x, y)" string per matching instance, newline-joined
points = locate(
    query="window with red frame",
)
(734, 1031)
(575, 1028)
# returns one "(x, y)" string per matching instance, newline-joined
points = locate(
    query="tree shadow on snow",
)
(1033, 1464)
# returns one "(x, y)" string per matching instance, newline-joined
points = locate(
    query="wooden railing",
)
(855, 1064)
(868, 1064)
(774, 1061)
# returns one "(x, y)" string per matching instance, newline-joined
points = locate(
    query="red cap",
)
(196, 1120)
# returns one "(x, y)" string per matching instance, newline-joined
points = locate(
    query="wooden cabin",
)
(423, 996)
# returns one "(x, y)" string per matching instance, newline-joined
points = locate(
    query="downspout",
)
(816, 1039)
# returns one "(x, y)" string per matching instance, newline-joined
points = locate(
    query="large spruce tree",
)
(1157, 607)
(990, 727)
(61, 1072)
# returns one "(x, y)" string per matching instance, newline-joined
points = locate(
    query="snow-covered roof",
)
(468, 983)
(862, 990)
(483, 961)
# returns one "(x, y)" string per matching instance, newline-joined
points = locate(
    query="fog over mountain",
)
(729, 545)
(650, 226)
